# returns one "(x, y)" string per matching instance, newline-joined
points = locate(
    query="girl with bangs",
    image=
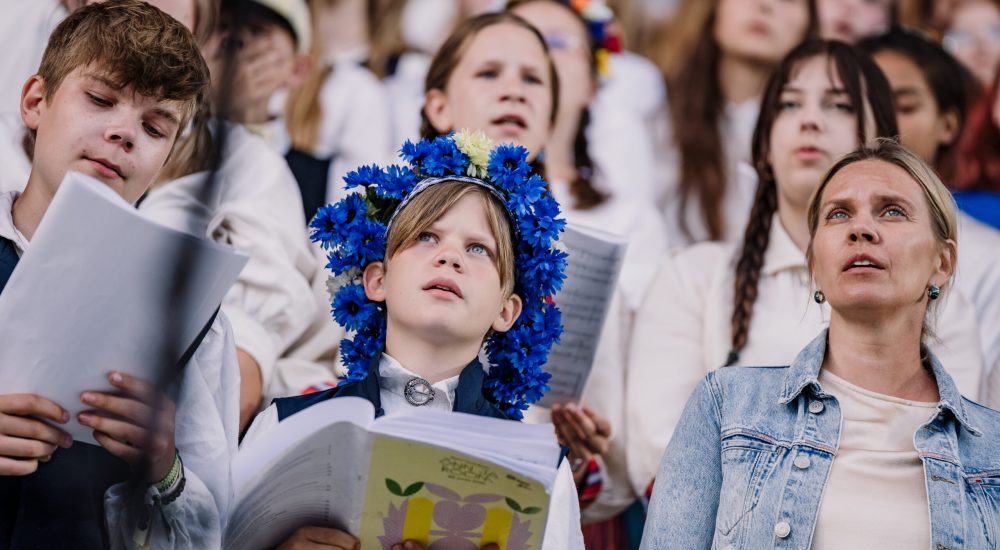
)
(714, 305)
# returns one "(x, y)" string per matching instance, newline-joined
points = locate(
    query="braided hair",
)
(865, 85)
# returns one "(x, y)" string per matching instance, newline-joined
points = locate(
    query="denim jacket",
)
(730, 479)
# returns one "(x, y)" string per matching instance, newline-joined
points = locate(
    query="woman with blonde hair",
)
(863, 441)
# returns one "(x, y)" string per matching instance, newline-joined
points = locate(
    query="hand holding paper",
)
(91, 294)
(136, 425)
(24, 441)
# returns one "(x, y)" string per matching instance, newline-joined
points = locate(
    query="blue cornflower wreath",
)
(355, 230)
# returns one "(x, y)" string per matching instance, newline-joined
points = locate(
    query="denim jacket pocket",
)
(985, 489)
(747, 460)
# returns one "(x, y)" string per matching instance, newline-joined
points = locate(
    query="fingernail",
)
(65, 417)
(116, 377)
(88, 397)
(84, 418)
(67, 442)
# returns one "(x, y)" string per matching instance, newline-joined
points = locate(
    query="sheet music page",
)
(90, 296)
(595, 260)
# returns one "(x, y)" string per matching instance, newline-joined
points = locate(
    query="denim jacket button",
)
(816, 407)
(782, 529)
(801, 462)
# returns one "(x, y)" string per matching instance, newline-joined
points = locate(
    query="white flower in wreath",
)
(477, 147)
(334, 284)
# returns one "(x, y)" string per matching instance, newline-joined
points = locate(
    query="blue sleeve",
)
(685, 496)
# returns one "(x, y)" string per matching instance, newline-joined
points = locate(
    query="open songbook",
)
(595, 260)
(448, 478)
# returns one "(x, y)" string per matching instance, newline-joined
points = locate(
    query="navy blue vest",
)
(312, 174)
(468, 395)
(61, 505)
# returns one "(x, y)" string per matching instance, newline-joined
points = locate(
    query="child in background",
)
(337, 119)
(716, 57)
(117, 83)
(431, 262)
(931, 91)
(973, 37)
(256, 207)
(853, 20)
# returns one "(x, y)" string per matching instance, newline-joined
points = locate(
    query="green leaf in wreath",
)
(394, 487)
(531, 510)
(412, 489)
(514, 505)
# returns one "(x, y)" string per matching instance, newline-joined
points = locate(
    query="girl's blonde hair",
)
(432, 203)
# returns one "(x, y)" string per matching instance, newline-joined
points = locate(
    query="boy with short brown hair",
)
(118, 82)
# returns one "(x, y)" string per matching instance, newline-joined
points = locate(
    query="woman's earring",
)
(819, 297)
(934, 292)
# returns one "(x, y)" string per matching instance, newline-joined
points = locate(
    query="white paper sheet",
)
(595, 260)
(88, 297)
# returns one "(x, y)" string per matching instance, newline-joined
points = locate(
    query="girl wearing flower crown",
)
(495, 74)
(432, 261)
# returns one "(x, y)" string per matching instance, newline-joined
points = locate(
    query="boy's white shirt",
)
(354, 128)
(255, 208)
(682, 332)
(205, 434)
(562, 528)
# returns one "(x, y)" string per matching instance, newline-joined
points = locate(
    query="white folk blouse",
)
(736, 131)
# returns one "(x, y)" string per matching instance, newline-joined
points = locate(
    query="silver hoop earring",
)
(819, 297)
(934, 292)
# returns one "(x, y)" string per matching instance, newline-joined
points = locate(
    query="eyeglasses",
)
(963, 40)
(561, 41)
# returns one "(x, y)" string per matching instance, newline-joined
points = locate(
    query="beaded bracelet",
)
(175, 470)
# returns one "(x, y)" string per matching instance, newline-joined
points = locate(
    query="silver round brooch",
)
(418, 392)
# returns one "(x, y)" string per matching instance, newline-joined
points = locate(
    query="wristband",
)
(168, 480)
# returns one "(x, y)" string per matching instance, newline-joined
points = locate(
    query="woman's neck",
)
(560, 159)
(740, 79)
(430, 360)
(880, 353)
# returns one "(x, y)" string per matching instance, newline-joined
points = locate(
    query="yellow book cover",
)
(448, 500)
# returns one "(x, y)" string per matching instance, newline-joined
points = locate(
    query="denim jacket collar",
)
(804, 371)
